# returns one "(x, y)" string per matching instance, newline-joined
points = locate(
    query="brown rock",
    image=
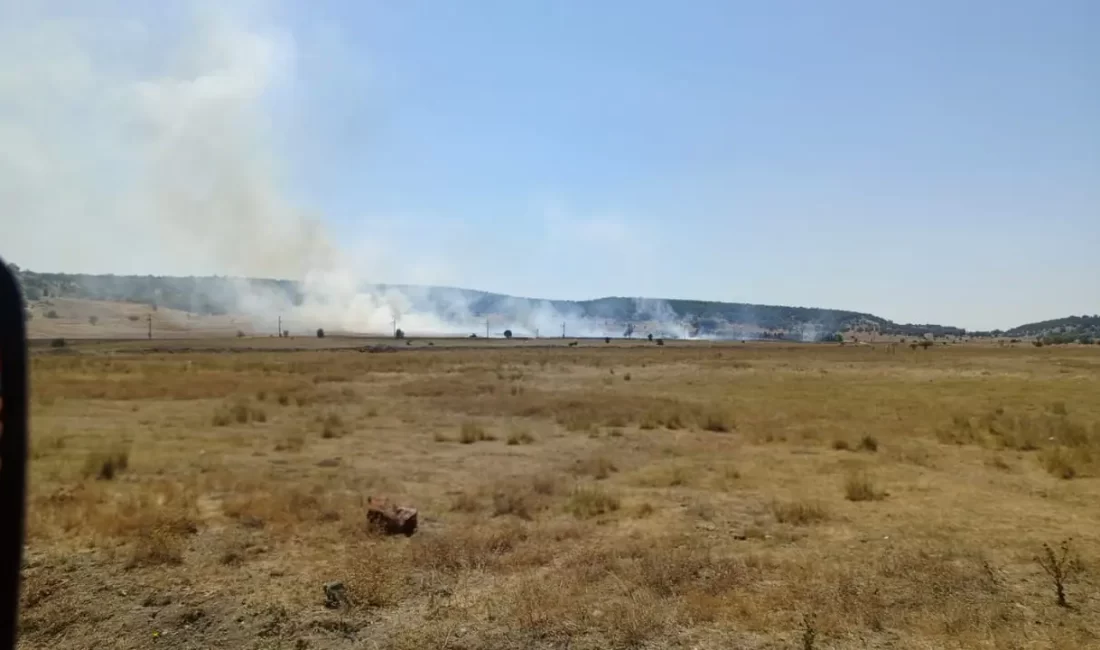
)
(390, 520)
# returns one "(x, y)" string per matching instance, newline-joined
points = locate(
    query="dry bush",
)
(472, 432)
(1001, 429)
(284, 508)
(858, 486)
(294, 441)
(520, 437)
(376, 573)
(161, 546)
(868, 443)
(480, 546)
(598, 467)
(586, 502)
(514, 500)
(799, 513)
(1065, 463)
(105, 465)
(1061, 566)
(332, 426)
(240, 412)
(841, 444)
(717, 420)
(465, 502)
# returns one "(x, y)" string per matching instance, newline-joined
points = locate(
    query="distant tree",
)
(286, 334)
(399, 333)
(650, 337)
(473, 336)
(240, 334)
(607, 339)
(507, 334)
(57, 343)
(1085, 340)
(926, 343)
(320, 333)
(92, 320)
(52, 314)
(660, 341)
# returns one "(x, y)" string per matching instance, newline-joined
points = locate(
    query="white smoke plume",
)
(130, 147)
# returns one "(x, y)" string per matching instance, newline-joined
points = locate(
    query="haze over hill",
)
(426, 310)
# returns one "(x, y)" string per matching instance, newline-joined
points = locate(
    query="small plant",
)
(93, 320)
(294, 442)
(799, 513)
(508, 500)
(465, 502)
(104, 466)
(626, 377)
(841, 445)
(1059, 462)
(472, 432)
(809, 632)
(520, 437)
(1062, 566)
(133, 318)
(587, 502)
(52, 314)
(859, 487)
(162, 546)
(598, 467)
(868, 443)
(718, 421)
(320, 333)
(58, 343)
(332, 426)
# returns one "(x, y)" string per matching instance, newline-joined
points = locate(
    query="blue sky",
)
(925, 161)
(933, 161)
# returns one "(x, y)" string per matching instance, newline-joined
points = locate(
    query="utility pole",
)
(563, 329)
(486, 327)
(149, 319)
(395, 327)
(280, 330)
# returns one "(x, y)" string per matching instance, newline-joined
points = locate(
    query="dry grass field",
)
(597, 496)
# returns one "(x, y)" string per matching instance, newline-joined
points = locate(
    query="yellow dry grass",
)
(598, 496)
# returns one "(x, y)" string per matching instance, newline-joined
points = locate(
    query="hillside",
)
(222, 296)
(1061, 330)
